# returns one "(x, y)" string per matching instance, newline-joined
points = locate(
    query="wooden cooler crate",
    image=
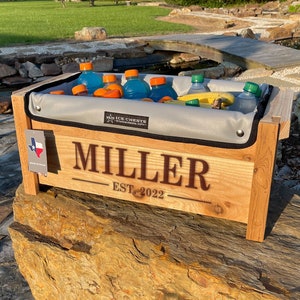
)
(216, 179)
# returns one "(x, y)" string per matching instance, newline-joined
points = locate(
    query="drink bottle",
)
(198, 85)
(109, 79)
(135, 87)
(57, 92)
(80, 90)
(89, 78)
(111, 83)
(160, 89)
(246, 101)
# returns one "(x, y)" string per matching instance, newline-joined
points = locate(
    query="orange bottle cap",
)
(112, 94)
(80, 88)
(86, 66)
(100, 92)
(116, 86)
(158, 81)
(109, 78)
(57, 92)
(131, 73)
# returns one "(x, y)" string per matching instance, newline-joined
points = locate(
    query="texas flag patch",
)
(36, 145)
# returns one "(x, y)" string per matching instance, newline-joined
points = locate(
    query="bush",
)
(212, 3)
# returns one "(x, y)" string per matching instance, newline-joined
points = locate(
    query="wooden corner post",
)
(22, 122)
(262, 180)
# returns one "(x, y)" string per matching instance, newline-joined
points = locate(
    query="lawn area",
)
(29, 22)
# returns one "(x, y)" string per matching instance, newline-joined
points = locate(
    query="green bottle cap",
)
(197, 78)
(193, 102)
(251, 87)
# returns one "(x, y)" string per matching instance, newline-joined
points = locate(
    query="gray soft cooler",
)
(176, 123)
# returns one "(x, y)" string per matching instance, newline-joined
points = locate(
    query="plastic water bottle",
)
(89, 78)
(160, 89)
(198, 85)
(135, 87)
(246, 101)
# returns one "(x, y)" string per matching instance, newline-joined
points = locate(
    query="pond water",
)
(170, 69)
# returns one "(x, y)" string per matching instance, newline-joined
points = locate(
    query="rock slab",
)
(91, 34)
(89, 247)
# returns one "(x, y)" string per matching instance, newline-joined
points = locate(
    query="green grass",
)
(29, 22)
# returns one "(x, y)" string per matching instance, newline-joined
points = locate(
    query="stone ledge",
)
(82, 245)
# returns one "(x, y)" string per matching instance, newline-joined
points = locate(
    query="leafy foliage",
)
(212, 3)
